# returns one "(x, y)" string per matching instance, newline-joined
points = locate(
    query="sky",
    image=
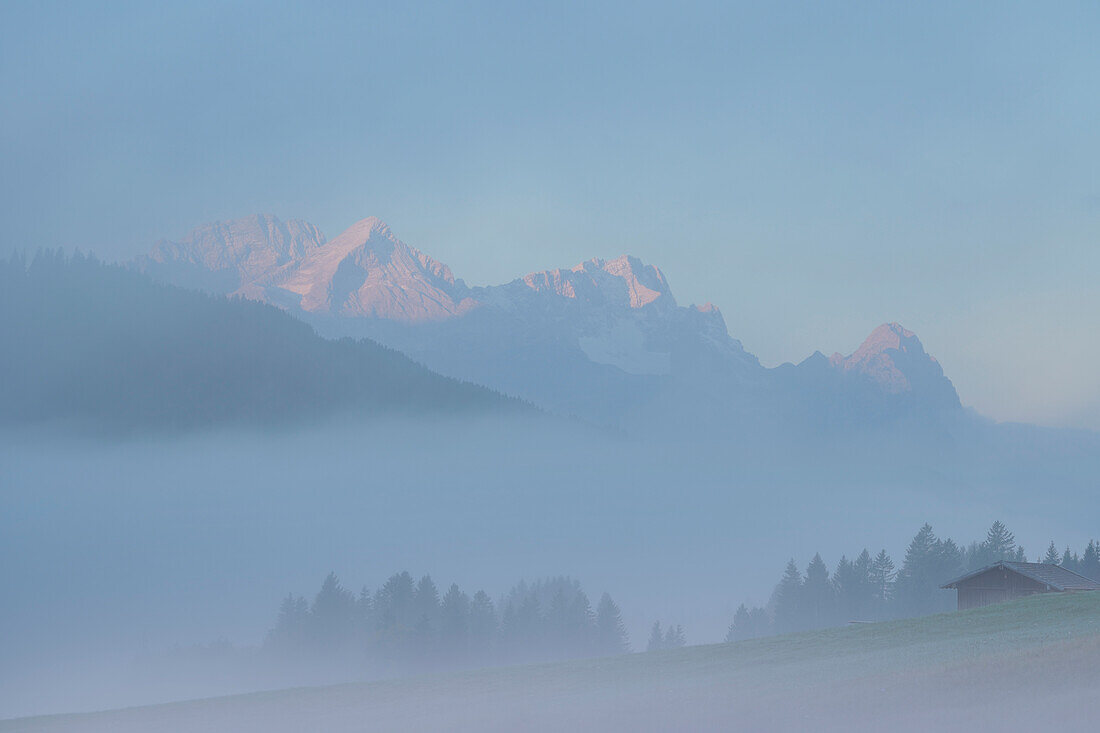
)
(814, 169)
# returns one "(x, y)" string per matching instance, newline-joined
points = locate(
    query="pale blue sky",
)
(814, 169)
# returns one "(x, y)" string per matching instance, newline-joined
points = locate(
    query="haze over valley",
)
(582, 419)
(541, 366)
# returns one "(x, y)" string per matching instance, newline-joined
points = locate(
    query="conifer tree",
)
(563, 636)
(291, 625)
(426, 601)
(1090, 561)
(581, 623)
(656, 639)
(423, 642)
(393, 603)
(1052, 557)
(674, 637)
(929, 563)
(882, 578)
(740, 629)
(332, 617)
(817, 594)
(364, 617)
(508, 637)
(999, 544)
(850, 587)
(610, 629)
(746, 625)
(522, 627)
(1070, 560)
(760, 622)
(364, 605)
(454, 623)
(866, 586)
(789, 614)
(950, 561)
(483, 625)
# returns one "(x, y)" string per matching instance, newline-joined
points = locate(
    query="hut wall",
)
(996, 586)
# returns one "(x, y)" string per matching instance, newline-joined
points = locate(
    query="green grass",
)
(928, 671)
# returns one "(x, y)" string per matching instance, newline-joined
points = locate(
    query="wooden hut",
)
(1004, 581)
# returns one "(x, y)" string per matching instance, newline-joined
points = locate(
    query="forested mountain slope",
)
(95, 343)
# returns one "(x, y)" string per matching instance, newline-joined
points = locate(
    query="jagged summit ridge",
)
(364, 272)
(253, 244)
(625, 280)
(227, 255)
(368, 272)
(894, 358)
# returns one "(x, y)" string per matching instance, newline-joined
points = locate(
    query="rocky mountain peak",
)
(625, 281)
(894, 358)
(367, 271)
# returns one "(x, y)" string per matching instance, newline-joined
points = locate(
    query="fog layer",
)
(117, 549)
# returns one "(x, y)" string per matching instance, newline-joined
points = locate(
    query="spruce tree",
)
(914, 577)
(1090, 561)
(332, 617)
(454, 624)
(557, 623)
(950, 562)
(817, 594)
(929, 562)
(483, 626)
(789, 611)
(610, 629)
(882, 578)
(1052, 557)
(508, 637)
(393, 603)
(291, 625)
(674, 637)
(527, 629)
(581, 623)
(760, 622)
(865, 595)
(1069, 560)
(741, 628)
(999, 544)
(656, 639)
(364, 617)
(426, 601)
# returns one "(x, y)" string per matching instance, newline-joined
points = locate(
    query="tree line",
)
(873, 588)
(408, 625)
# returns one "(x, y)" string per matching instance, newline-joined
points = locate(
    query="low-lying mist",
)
(118, 551)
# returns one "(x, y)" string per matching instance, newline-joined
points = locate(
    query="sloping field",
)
(1027, 665)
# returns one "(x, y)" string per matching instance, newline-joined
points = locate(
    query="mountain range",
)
(604, 340)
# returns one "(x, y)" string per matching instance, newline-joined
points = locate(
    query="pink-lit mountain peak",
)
(886, 337)
(371, 244)
(625, 278)
(894, 358)
(252, 246)
(367, 271)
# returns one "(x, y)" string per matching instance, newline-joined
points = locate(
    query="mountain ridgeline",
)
(604, 340)
(87, 342)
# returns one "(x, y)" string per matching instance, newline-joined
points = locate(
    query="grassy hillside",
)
(1027, 665)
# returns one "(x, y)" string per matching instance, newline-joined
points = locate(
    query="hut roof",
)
(1055, 576)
